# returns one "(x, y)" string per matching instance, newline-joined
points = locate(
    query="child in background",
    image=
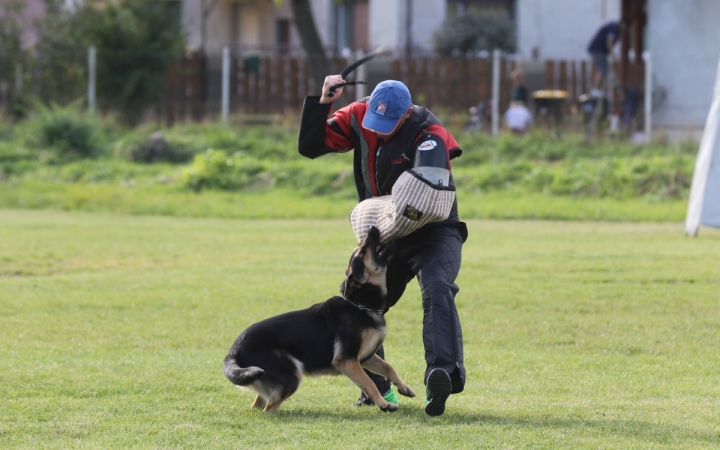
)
(518, 118)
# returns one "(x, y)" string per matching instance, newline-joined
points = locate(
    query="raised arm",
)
(319, 134)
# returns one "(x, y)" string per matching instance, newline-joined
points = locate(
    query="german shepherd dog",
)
(337, 336)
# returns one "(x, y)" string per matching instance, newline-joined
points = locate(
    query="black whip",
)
(346, 71)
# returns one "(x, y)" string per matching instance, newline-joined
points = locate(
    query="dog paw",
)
(406, 391)
(388, 407)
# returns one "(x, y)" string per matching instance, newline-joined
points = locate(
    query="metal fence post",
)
(92, 58)
(648, 95)
(496, 92)
(18, 78)
(225, 84)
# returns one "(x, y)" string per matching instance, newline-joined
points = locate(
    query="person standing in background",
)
(519, 92)
(600, 46)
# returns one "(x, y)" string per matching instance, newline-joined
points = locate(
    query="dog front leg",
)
(352, 369)
(259, 402)
(381, 367)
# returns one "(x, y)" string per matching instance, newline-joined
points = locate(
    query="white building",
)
(684, 38)
(560, 29)
(354, 25)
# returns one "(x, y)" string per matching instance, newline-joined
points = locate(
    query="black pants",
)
(433, 254)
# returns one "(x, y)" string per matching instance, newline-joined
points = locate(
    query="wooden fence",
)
(575, 76)
(454, 83)
(277, 84)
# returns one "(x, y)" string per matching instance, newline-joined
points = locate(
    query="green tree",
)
(473, 31)
(10, 38)
(305, 24)
(60, 55)
(11, 56)
(136, 42)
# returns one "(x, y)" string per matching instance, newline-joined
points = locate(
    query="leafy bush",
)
(158, 149)
(474, 31)
(67, 130)
(214, 169)
(316, 179)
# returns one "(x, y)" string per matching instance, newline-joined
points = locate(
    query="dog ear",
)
(346, 288)
(357, 269)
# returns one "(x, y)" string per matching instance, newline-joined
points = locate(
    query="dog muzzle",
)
(416, 200)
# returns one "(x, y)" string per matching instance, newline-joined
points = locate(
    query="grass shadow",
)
(632, 429)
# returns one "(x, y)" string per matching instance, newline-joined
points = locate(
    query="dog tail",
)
(241, 376)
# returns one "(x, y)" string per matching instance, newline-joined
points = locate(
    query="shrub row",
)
(66, 144)
(660, 176)
(215, 169)
(481, 148)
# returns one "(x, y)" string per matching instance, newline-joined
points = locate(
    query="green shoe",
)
(391, 397)
(437, 391)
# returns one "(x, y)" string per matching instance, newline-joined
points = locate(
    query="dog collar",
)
(359, 306)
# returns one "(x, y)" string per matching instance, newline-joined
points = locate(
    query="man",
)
(600, 46)
(386, 130)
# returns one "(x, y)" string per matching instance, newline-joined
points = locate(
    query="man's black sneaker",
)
(438, 390)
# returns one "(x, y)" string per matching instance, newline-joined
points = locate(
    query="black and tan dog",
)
(337, 336)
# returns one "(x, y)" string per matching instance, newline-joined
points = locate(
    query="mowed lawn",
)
(113, 330)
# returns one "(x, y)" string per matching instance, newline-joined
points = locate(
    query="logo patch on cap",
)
(381, 108)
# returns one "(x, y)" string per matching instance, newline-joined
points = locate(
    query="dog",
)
(337, 336)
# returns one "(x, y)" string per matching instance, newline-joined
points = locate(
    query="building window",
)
(501, 8)
(344, 25)
(282, 34)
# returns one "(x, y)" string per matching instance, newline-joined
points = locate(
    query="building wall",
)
(684, 38)
(561, 29)
(388, 22)
(361, 36)
(384, 17)
(427, 17)
(323, 15)
(255, 21)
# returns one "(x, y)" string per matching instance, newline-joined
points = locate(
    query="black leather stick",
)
(346, 71)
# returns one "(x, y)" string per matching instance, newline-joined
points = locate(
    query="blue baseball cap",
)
(389, 101)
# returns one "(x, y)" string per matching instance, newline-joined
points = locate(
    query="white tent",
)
(704, 204)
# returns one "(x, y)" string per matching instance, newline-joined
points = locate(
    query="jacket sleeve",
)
(319, 135)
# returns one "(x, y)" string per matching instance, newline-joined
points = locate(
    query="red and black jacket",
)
(377, 163)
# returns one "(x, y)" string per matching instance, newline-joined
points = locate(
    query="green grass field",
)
(113, 329)
(286, 204)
